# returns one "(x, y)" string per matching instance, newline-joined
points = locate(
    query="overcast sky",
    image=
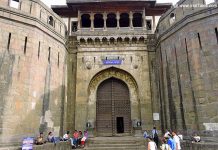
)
(62, 2)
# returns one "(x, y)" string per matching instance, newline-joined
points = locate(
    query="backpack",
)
(155, 134)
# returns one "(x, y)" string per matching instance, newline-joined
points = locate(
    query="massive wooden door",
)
(113, 114)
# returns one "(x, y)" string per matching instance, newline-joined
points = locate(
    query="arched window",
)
(172, 18)
(137, 20)
(14, 3)
(111, 20)
(124, 20)
(98, 21)
(51, 20)
(86, 22)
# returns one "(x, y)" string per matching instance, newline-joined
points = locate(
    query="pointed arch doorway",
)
(113, 113)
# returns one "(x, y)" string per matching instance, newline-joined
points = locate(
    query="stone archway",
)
(118, 74)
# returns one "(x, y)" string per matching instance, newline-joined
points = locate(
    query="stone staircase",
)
(116, 143)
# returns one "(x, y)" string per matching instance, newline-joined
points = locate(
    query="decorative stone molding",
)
(95, 40)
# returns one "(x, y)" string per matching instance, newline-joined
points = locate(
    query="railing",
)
(123, 31)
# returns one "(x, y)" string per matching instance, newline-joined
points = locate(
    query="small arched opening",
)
(82, 41)
(104, 40)
(134, 40)
(112, 40)
(119, 40)
(89, 41)
(51, 20)
(126, 40)
(172, 18)
(141, 40)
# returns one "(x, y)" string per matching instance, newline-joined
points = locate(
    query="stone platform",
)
(116, 143)
(119, 143)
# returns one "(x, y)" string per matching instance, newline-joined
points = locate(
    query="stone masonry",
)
(49, 76)
(186, 69)
(32, 70)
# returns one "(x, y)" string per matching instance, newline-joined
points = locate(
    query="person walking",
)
(155, 135)
(151, 144)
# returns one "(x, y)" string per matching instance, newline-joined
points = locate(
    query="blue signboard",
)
(28, 143)
(112, 62)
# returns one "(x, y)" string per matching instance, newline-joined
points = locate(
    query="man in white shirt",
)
(66, 136)
(177, 140)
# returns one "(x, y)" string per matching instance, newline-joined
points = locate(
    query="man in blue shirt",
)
(171, 142)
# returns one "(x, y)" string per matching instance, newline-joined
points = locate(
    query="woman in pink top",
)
(74, 140)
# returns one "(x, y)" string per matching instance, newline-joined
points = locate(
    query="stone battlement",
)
(35, 9)
(182, 10)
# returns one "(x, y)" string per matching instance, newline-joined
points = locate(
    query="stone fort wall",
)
(32, 70)
(186, 71)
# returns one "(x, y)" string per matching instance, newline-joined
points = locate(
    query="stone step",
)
(115, 142)
(115, 148)
(10, 148)
(114, 145)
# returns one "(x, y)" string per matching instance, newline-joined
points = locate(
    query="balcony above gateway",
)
(110, 32)
(113, 24)
(111, 18)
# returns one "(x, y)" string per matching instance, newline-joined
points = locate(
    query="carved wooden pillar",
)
(92, 21)
(118, 20)
(154, 25)
(105, 20)
(130, 20)
(69, 26)
(144, 20)
(79, 21)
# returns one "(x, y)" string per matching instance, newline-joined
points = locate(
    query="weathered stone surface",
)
(32, 74)
(49, 85)
(199, 146)
(186, 75)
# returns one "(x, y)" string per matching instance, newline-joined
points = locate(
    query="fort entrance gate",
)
(113, 114)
